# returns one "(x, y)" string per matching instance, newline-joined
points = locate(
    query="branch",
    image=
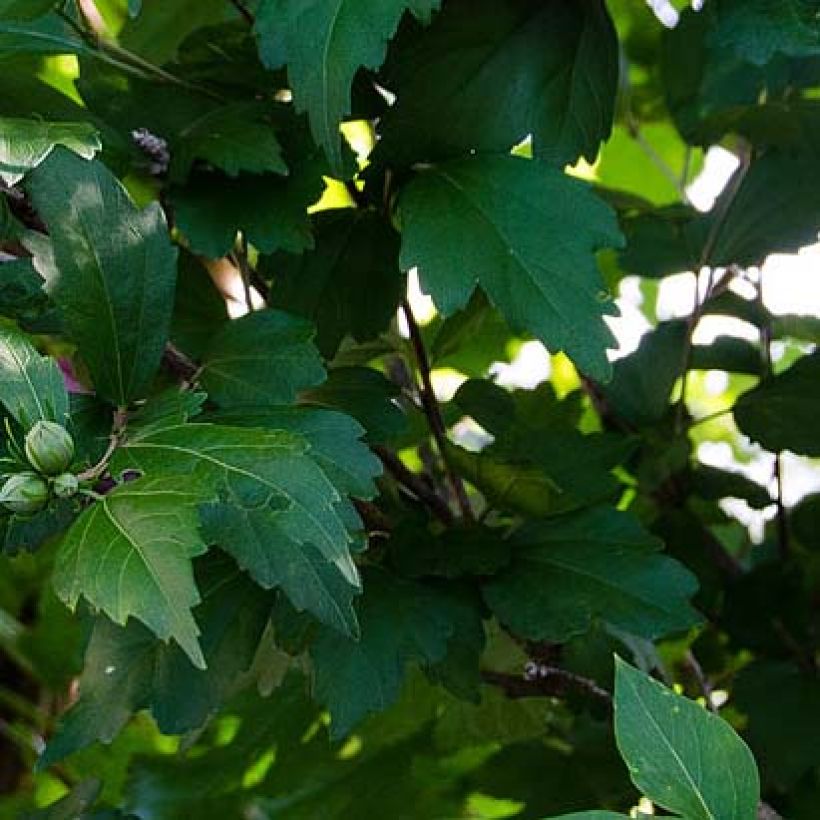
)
(407, 478)
(244, 11)
(540, 680)
(432, 410)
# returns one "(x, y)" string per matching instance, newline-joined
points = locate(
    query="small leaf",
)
(531, 252)
(24, 144)
(264, 358)
(781, 413)
(597, 563)
(31, 385)
(130, 556)
(679, 755)
(116, 271)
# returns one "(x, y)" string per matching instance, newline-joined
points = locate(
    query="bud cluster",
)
(49, 450)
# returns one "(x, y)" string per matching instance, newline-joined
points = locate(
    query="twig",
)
(244, 11)
(432, 410)
(551, 681)
(782, 519)
(177, 363)
(703, 682)
(721, 212)
(240, 259)
(396, 467)
(117, 430)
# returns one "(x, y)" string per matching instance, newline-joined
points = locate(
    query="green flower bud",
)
(65, 485)
(49, 448)
(24, 493)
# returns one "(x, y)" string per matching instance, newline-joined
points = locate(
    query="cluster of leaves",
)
(298, 583)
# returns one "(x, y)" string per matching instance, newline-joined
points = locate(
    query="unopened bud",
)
(49, 447)
(24, 493)
(65, 485)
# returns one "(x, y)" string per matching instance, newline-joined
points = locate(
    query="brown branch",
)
(179, 365)
(432, 410)
(551, 682)
(417, 486)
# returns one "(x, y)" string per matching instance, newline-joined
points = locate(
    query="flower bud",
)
(24, 493)
(49, 448)
(65, 485)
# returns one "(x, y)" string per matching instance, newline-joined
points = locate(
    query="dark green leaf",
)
(116, 272)
(324, 43)
(355, 253)
(127, 669)
(487, 75)
(598, 563)
(780, 413)
(264, 358)
(460, 225)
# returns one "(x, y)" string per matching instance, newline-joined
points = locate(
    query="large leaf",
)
(324, 43)
(116, 272)
(679, 755)
(781, 413)
(130, 554)
(277, 514)
(355, 253)
(263, 358)
(31, 385)
(24, 144)
(126, 669)
(527, 234)
(24, 9)
(486, 75)
(597, 563)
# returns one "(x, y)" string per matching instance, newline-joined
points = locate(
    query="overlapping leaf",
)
(487, 75)
(31, 385)
(116, 271)
(594, 564)
(278, 513)
(130, 555)
(324, 43)
(527, 234)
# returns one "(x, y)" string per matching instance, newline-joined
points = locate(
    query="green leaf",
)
(45, 35)
(757, 30)
(21, 292)
(265, 357)
(597, 563)
(486, 75)
(24, 144)
(24, 9)
(356, 252)
(270, 210)
(592, 815)
(127, 669)
(116, 272)
(401, 622)
(130, 553)
(277, 513)
(324, 43)
(366, 395)
(780, 414)
(31, 385)
(527, 234)
(233, 138)
(679, 755)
